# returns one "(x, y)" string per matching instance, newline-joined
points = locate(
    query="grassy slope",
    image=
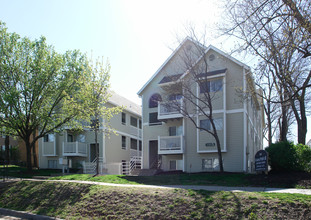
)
(68, 200)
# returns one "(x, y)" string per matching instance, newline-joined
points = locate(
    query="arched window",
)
(154, 99)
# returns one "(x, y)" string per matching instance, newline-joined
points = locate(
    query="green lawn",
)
(84, 201)
(176, 179)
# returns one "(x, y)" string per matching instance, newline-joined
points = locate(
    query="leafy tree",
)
(42, 91)
(98, 96)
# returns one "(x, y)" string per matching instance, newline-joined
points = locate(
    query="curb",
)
(24, 215)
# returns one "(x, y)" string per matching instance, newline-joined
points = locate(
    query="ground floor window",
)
(209, 163)
(52, 164)
(173, 165)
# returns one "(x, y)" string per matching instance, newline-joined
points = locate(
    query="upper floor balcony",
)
(170, 145)
(49, 149)
(135, 131)
(78, 149)
(170, 109)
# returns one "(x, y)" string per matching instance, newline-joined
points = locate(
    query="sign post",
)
(261, 161)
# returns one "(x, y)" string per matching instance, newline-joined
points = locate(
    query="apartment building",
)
(171, 141)
(118, 150)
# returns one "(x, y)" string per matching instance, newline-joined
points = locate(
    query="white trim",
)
(211, 151)
(184, 144)
(197, 109)
(225, 115)
(233, 111)
(142, 132)
(214, 76)
(244, 122)
(128, 135)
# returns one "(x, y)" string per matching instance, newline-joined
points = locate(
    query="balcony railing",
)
(74, 149)
(170, 109)
(49, 149)
(170, 145)
(135, 153)
(135, 131)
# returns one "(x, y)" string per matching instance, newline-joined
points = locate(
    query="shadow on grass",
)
(41, 197)
(221, 179)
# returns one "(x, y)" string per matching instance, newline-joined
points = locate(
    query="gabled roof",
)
(166, 61)
(128, 105)
(210, 47)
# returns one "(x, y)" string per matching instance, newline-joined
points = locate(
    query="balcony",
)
(168, 110)
(49, 149)
(74, 149)
(170, 145)
(135, 131)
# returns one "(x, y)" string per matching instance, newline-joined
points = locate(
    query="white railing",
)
(170, 144)
(134, 153)
(170, 109)
(49, 149)
(74, 149)
(135, 131)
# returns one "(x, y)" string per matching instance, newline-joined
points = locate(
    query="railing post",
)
(77, 147)
(63, 148)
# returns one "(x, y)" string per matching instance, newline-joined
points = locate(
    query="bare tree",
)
(276, 34)
(192, 94)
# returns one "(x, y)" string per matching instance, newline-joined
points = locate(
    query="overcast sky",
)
(137, 36)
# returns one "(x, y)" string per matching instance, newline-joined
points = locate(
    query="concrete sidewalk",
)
(194, 187)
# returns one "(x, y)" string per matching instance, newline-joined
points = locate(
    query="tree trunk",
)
(284, 124)
(28, 155)
(34, 153)
(97, 151)
(7, 148)
(221, 167)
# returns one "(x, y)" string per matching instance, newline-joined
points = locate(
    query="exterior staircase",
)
(90, 167)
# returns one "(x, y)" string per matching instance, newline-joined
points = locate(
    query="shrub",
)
(285, 156)
(304, 157)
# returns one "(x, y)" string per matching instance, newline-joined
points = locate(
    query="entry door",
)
(92, 152)
(153, 154)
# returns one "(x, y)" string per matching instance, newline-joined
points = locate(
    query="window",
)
(48, 138)
(69, 138)
(173, 165)
(139, 124)
(123, 142)
(206, 124)
(210, 163)
(52, 164)
(140, 146)
(133, 144)
(123, 120)
(211, 86)
(153, 119)
(175, 131)
(133, 121)
(81, 138)
(173, 97)
(207, 164)
(154, 99)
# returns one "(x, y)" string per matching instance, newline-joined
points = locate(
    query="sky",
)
(136, 36)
